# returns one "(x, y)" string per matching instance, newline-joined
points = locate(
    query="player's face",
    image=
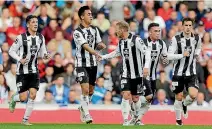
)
(155, 33)
(87, 17)
(119, 32)
(33, 24)
(187, 27)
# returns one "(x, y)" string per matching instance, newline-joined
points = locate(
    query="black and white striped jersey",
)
(29, 47)
(83, 36)
(158, 49)
(132, 51)
(184, 66)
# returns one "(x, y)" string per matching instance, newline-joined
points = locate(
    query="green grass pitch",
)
(98, 126)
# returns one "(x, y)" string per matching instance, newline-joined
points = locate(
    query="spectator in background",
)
(49, 99)
(69, 76)
(68, 58)
(148, 6)
(207, 20)
(10, 77)
(41, 67)
(68, 9)
(183, 12)
(6, 62)
(59, 45)
(5, 47)
(58, 67)
(207, 46)
(48, 78)
(139, 17)
(108, 98)
(200, 102)
(1, 6)
(110, 40)
(115, 73)
(128, 13)
(133, 27)
(200, 10)
(5, 22)
(171, 34)
(24, 16)
(156, 19)
(16, 9)
(101, 22)
(171, 21)
(209, 89)
(4, 89)
(200, 29)
(72, 97)
(13, 32)
(99, 91)
(60, 90)
(165, 11)
(161, 99)
(90, 4)
(192, 15)
(108, 82)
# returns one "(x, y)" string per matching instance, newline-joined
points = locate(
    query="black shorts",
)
(26, 81)
(136, 86)
(153, 86)
(86, 75)
(181, 82)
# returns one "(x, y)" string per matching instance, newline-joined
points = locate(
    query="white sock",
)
(29, 108)
(143, 101)
(125, 108)
(188, 100)
(143, 110)
(137, 106)
(16, 98)
(84, 104)
(178, 108)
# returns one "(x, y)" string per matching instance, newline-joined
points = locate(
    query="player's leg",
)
(33, 85)
(177, 88)
(92, 79)
(83, 79)
(192, 87)
(126, 96)
(21, 94)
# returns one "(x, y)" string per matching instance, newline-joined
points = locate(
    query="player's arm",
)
(43, 53)
(79, 39)
(14, 49)
(100, 45)
(164, 54)
(199, 47)
(172, 49)
(113, 54)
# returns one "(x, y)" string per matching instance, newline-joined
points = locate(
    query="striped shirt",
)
(184, 66)
(83, 36)
(158, 49)
(132, 51)
(29, 47)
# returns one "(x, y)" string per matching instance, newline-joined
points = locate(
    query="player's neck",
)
(84, 24)
(187, 35)
(125, 35)
(152, 39)
(32, 32)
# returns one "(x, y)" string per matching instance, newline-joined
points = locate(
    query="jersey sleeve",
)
(98, 37)
(43, 49)
(172, 55)
(139, 44)
(15, 47)
(164, 51)
(78, 38)
(199, 47)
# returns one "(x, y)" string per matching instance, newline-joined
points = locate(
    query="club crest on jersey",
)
(77, 36)
(159, 46)
(132, 44)
(39, 41)
(194, 42)
(16, 40)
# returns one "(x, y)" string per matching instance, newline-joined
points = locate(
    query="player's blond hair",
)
(123, 25)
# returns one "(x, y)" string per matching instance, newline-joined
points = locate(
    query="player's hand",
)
(146, 72)
(1, 68)
(99, 58)
(165, 60)
(197, 58)
(24, 61)
(186, 54)
(101, 46)
(47, 56)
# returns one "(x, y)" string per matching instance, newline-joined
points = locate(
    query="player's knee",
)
(193, 93)
(135, 98)
(32, 95)
(149, 98)
(23, 96)
(179, 96)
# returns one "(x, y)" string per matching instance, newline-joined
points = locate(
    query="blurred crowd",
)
(58, 19)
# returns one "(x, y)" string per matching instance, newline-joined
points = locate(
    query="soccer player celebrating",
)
(132, 50)
(158, 51)
(26, 48)
(184, 50)
(87, 39)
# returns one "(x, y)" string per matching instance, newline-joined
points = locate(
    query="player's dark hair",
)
(187, 19)
(82, 10)
(152, 25)
(30, 17)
